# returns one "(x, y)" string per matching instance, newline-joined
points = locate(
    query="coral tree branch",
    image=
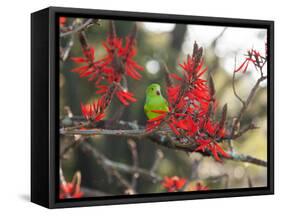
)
(159, 137)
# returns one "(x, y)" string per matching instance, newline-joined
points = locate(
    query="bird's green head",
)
(153, 90)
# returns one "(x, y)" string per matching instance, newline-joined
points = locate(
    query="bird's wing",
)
(145, 108)
(165, 105)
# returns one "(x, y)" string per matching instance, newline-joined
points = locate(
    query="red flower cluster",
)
(173, 184)
(201, 187)
(123, 95)
(191, 102)
(198, 186)
(62, 21)
(122, 56)
(254, 57)
(117, 64)
(155, 122)
(95, 111)
(71, 189)
(92, 69)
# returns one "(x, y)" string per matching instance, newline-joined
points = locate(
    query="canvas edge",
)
(127, 200)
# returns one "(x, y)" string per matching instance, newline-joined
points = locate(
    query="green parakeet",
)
(154, 101)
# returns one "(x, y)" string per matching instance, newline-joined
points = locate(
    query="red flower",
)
(213, 147)
(187, 124)
(121, 58)
(173, 93)
(113, 68)
(191, 101)
(124, 96)
(174, 183)
(197, 186)
(94, 70)
(254, 57)
(189, 90)
(192, 68)
(201, 187)
(71, 189)
(244, 65)
(155, 122)
(94, 111)
(62, 21)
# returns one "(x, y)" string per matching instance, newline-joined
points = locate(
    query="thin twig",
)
(220, 35)
(247, 102)
(79, 28)
(158, 157)
(233, 85)
(134, 152)
(69, 147)
(251, 126)
(66, 50)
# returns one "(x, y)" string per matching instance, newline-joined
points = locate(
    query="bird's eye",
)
(152, 89)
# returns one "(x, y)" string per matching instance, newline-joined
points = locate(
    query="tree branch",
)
(135, 157)
(117, 165)
(64, 52)
(246, 104)
(159, 137)
(234, 88)
(79, 28)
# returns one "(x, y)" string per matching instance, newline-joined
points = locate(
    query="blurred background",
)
(169, 43)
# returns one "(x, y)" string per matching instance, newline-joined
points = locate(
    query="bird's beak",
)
(158, 92)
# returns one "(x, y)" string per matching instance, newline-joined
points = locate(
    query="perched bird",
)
(154, 101)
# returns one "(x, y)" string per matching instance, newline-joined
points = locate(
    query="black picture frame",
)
(44, 107)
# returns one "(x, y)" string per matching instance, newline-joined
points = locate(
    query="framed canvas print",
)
(138, 107)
